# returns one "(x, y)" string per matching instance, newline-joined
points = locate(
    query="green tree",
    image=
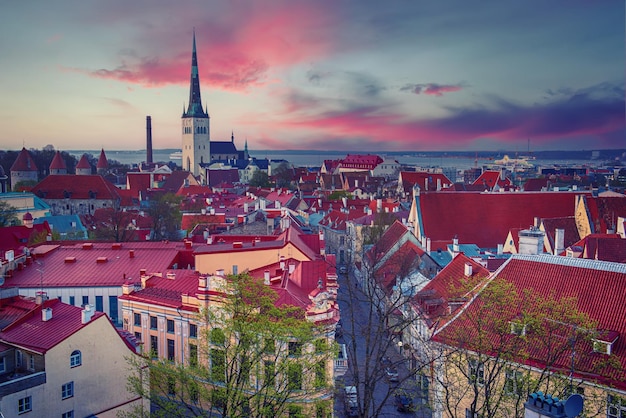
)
(283, 175)
(166, 216)
(114, 225)
(373, 327)
(382, 221)
(260, 179)
(8, 214)
(256, 359)
(486, 357)
(23, 185)
(338, 194)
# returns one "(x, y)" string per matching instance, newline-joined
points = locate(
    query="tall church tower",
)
(196, 136)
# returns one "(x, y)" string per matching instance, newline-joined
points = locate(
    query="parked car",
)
(343, 269)
(404, 403)
(391, 373)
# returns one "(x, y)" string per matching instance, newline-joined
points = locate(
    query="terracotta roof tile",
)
(489, 179)
(40, 336)
(599, 290)
(24, 162)
(58, 163)
(83, 162)
(567, 224)
(486, 218)
(102, 161)
(60, 186)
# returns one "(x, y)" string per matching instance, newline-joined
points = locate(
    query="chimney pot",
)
(46, 314)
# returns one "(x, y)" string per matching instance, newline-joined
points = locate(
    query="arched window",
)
(76, 359)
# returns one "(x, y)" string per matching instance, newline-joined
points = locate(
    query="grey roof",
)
(223, 147)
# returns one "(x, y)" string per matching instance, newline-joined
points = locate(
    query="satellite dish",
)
(574, 405)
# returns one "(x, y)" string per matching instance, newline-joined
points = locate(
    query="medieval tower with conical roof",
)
(195, 124)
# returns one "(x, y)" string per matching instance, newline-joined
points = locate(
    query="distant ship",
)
(178, 155)
(521, 161)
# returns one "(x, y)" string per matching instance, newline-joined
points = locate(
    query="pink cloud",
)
(596, 113)
(237, 55)
(431, 89)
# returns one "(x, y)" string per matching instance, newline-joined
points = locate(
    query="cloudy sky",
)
(351, 75)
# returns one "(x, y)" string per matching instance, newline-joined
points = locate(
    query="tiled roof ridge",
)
(573, 262)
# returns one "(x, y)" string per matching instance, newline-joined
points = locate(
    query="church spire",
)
(195, 102)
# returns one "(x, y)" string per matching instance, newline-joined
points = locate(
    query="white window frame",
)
(512, 379)
(603, 347)
(68, 414)
(76, 359)
(31, 363)
(19, 358)
(3, 364)
(67, 390)
(25, 405)
(615, 406)
(476, 372)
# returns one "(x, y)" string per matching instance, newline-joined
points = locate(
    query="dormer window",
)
(518, 328)
(604, 342)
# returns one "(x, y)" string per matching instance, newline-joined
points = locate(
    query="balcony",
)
(19, 381)
(341, 362)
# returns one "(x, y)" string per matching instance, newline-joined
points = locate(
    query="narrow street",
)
(354, 304)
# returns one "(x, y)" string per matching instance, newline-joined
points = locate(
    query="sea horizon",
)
(458, 159)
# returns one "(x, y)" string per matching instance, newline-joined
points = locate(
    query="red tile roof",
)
(76, 264)
(58, 186)
(368, 162)
(13, 308)
(83, 162)
(138, 182)
(179, 179)
(390, 237)
(195, 190)
(535, 185)
(167, 290)
(336, 220)
(489, 179)
(486, 218)
(32, 333)
(17, 237)
(425, 181)
(189, 220)
(24, 162)
(598, 288)
(432, 300)
(58, 163)
(102, 161)
(605, 247)
(401, 264)
(567, 224)
(604, 211)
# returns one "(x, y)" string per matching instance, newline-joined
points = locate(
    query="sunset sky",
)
(411, 75)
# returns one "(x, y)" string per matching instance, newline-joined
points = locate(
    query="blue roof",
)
(64, 224)
(470, 250)
(442, 258)
(315, 218)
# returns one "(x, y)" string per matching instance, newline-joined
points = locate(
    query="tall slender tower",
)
(196, 136)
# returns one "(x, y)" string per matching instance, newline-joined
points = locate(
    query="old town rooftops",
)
(89, 264)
